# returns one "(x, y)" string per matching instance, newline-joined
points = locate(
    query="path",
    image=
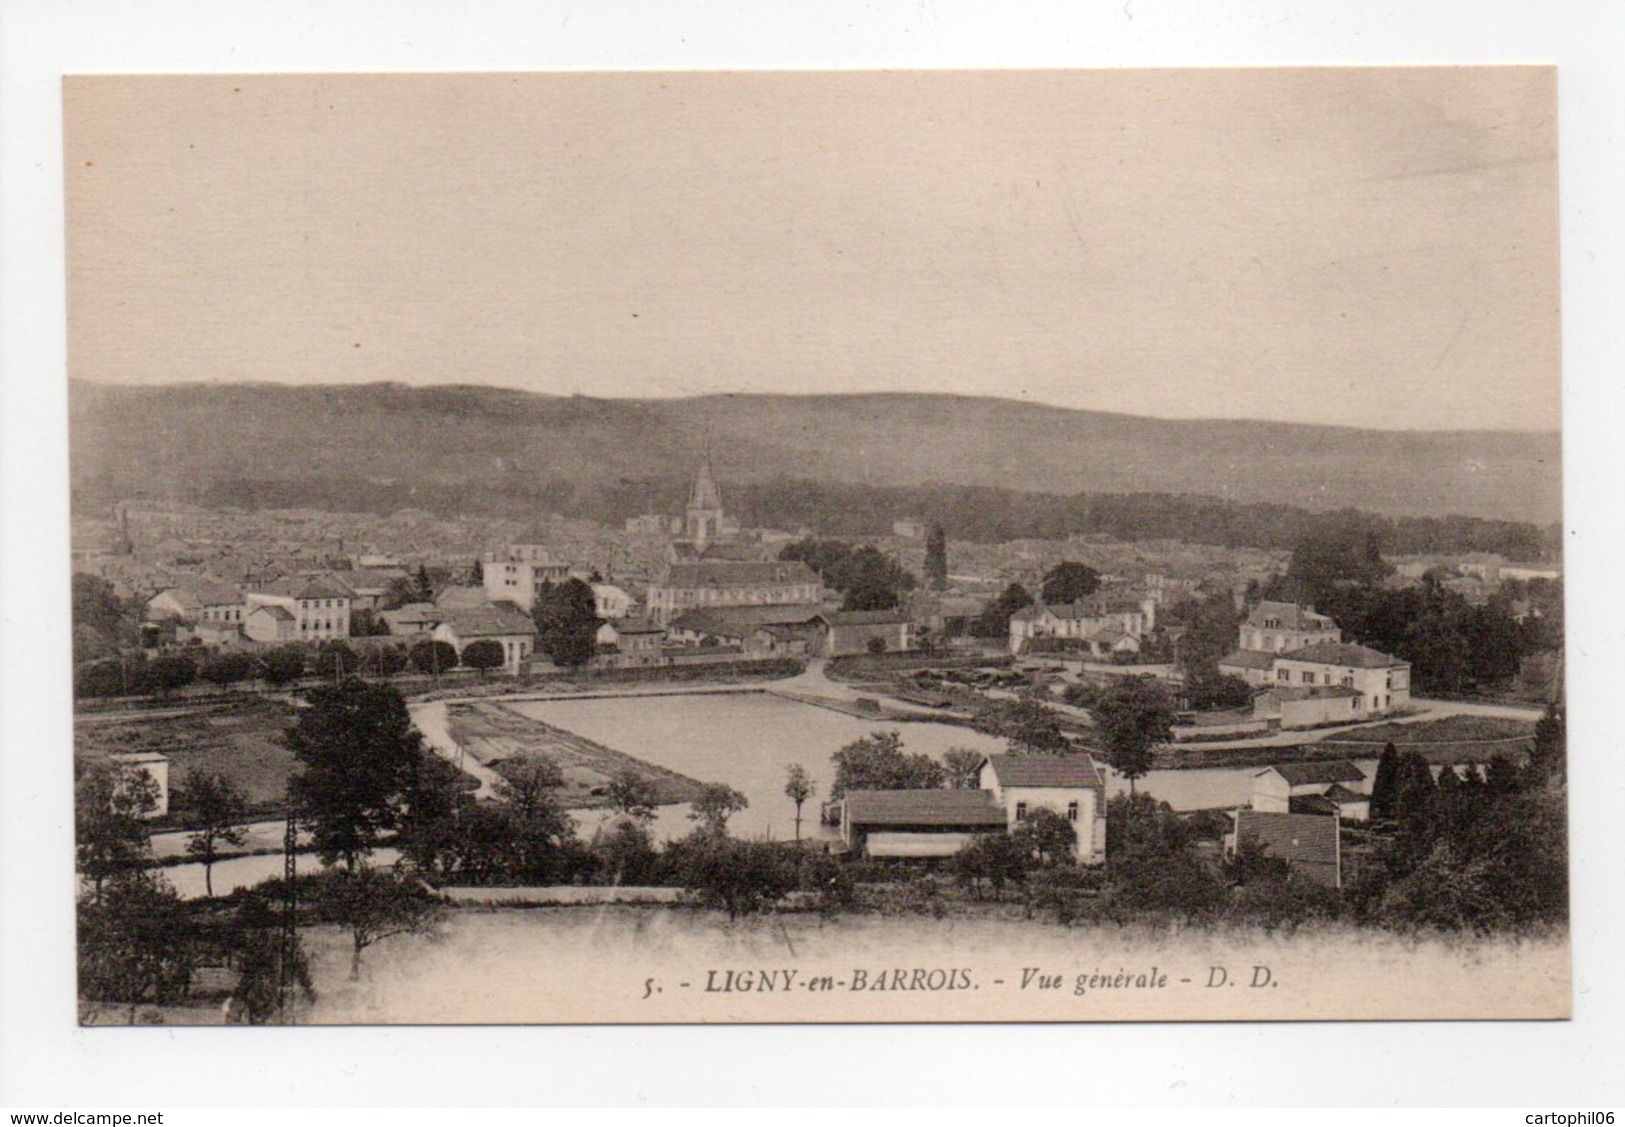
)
(431, 719)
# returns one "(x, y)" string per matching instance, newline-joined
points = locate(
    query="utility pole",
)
(288, 939)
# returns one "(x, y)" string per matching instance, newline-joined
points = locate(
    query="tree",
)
(1209, 626)
(267, 961)
(1047, 837)
(538, 836)
(1134, 715)
(741, 876)
(171, 672)
(1218, 691)
(1067, 582)
(1547, 759)
(484, 655)
(476, 573)
(335, 659)
(567, 623)
(1385, 786)
(282, 666)
(623, 853)
(1031, 728)
(358, 751)
(227, 669)
(869, 580)
(995, 858)
(401, 590)
(632, 794)
(111, 838)
(216, 809)
(135, 944)
(103, 623)
(798, 788)
(436, 805)
(373, 905)
(963, 767)
(994, 621)
(433, 657)
(716, 804)
(936, 556)
(424, 585)
(878, 762)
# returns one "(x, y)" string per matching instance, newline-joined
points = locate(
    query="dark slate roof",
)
(300, 587)
(968, 808)
(498, 620)
(1291, 616)
(1306, 774)
(1306, 692)
(1298, 839)
(1249, 659)
(864, 617)
(637, 626)
(1345, 654)
(1341, 793)
(731, 573)
(281, 613)
(1045, 770)
(742, 620)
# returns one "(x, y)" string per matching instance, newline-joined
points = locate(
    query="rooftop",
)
(1346, 654)
(1249, 659)
(1288, 616)
(968, 808)
(497, 620)
(1307, 774)
(1299, 839)
(734, 573)
(1045, 770)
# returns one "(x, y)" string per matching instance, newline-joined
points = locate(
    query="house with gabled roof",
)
(1310, 844)
(1275, 788)
(502, 623)
(320, 608)
(710, 585)
(1382, 682)
(1098, 627)
(200, 600)
(1277, 627)
(1068, 785)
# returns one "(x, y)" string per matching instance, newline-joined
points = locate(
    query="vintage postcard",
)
(817, 546)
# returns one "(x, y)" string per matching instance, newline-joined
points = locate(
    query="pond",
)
(749, 740)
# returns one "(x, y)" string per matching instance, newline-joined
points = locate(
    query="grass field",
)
(491, 733)
(241, 740)
(1449, 739)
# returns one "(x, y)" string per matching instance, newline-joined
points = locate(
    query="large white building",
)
(519, 573)
(1100, 627)
(1378, 683)
(312, 610)
(1274, 627)
(732, 583)
(1069, 785)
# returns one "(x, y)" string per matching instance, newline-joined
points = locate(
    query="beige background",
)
(1364, 247)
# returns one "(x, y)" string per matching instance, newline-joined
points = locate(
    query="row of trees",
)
(169, 672)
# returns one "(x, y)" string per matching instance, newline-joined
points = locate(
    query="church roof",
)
(705, 494)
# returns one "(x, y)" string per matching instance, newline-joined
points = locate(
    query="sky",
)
(1369, 247)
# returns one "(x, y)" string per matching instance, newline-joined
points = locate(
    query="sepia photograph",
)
(945, 546)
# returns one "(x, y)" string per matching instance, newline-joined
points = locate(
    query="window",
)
(1021, 811)
(1354, 703)
(1283, 675)
(1072, 811)
(1308, 677)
